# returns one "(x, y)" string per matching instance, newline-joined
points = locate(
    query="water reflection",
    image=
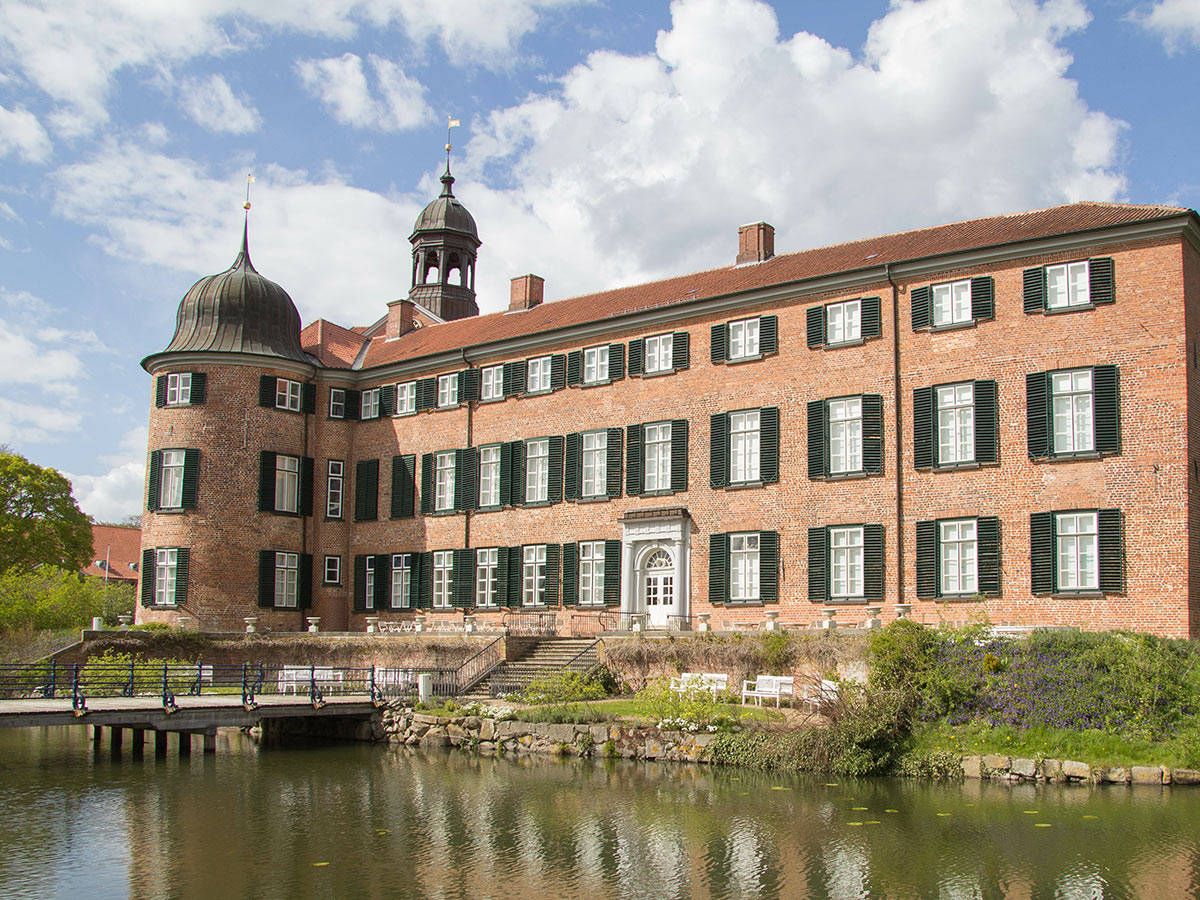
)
(362, 822)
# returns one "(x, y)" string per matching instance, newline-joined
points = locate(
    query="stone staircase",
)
(546, 656)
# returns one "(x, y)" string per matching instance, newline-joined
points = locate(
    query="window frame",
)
(664, 362)
(337, 403)
(539, 374)
(849, 567)
(171, 478)
(287, 391)
(335, 486)
(491, 383)
(402, 581)
(370, 404)
(166, 576)
(336, 568)
(406, 398)
(1074, 571)
(1072, 395)
(851, 438)
(493, 478)
(1070, 288)
(843, 307)
(442, 597)
(533, 575)
(747, 344)
(537, 477)
(745, 567)
(444, 478)
(179, 384)
(447, 391)
(956, 408)
(287, 484)
(662, 457)
(597, 352)
(287, 588)
(955, 302)
(599, 465)
(591, 574)
(487, 578)
(747, 459)
(960, 542)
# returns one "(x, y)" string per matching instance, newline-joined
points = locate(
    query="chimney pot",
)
(527, 292)
(400, 318)
(756, 243)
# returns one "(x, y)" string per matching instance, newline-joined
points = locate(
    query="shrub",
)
(937, 765)
(561, 687)
(52, 598)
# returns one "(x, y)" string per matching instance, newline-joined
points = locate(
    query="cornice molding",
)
(158, 362)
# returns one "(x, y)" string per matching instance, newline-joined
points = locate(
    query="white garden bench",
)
(768, 687)
(814, 696)
(713, 682)
(293, 679)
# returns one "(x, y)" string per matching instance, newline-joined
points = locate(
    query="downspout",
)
(899, 434)
(469, 445)
(312, 520)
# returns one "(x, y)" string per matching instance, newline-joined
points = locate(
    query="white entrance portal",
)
(654, 567)
(658, 588)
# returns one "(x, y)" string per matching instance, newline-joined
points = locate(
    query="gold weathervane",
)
(450, 123)
(249, 181)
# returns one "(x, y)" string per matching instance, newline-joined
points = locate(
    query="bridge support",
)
(138, 737)
(160, 743)
(185, 744)
(115, 735)
(210, 741)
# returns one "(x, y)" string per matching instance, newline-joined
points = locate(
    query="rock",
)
(1073, 769)
(1146, 774)
(560, 734)
(972, 766)
(487, 729)
(457, 731)
(508, 729)
(1024, 768)
(995, 763)
(654, 749)
(525, 740)
(425, 719)
(487, 748)
(435, 737)
(1185, 776)
(1052, 769)
(1115, 775)
(703, 740)
(599, 733)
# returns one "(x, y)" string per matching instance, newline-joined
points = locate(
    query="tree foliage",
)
(40, 523)
(51, 598)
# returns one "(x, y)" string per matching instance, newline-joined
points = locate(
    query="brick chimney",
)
(526, 292)
(756, 243)
(399, 318)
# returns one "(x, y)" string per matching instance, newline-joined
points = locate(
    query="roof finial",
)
(246, 225)
(450, 123)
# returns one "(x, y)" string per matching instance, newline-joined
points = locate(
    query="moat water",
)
(344, 821)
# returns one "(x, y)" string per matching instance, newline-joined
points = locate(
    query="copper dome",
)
(445, 213)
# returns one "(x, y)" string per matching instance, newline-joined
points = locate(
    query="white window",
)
(591, 573)
(489, 476)
(166, 563)
(595, 463)
(537, 375)
(959, 560)
(179, 389)
(533, 576)
(846, 562)
(491, 383)
(369, 584)
(337, 403)
(401, 581)
(658, 352)
(1068, 285)
(956, 423)
(845, 435)
(443, 569)
(658, 456)
(487, 579)
(287, 394)
(843, 322)
(370, 404)
(1077, 544)
(743, 446)
(443, 493)
(170, 495)
(334, 484)
(743, 339)
(595, 365)
(743, 566)
(952, 303)
(333, 570)
(406, 398)
(447, 387)
(287, 483)
(537, 470)
(1072, 404)
(287, 579)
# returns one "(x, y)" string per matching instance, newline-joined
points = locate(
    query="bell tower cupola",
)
(445, 243)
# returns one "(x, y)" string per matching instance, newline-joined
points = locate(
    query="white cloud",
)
(211, 104)
(117, 492)
(23, 134)
(1177, 22)
(22, 423)
(341, 84)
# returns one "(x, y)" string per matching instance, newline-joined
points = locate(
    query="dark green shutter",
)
(404, 484)
(987, 423)
(872, 433)
(679, 455)
(1037, 414)
(768, 335)
(426, 393)
(353, 404)
(612, 572)
(422, 578)
(366, 490)
(266, 578)
(921, 300)
(466, 479)
(718, 339)
(1111, 539)
(149, 576)
(1101, 285)
(768, 444)
(308, 398)
(469, 381)
(360, 583)
(387, 400)
(183, 561)
(199, 388)
(514, 378)
(305, 588)
(928, 564)
(1042, 552)
(616, 362)
(462, 591)
(871, 324)
(516, 474)
(506, 463)
(987, 554)
(154, 492)
(160, 391)
(680, 352)
(570, 574)
(191, 478)
(1107, 409)
(558, 372)
(873, 562)
(554, 489)
(718, 568)
(575, 368)
(502, 569)
(516, 572)
(818, 427)
(983, 304)
(768, 566)
(718, 450)
(266, 392)
(266, 482)
(637, 349)
(612, 463)
(1035, 290)
(635, 459)
(818, 564)
(572, 466)
(306, 485)
(925, 430)
(815, 326)
(426, 484)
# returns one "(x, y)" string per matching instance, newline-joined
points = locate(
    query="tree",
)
(40, 523)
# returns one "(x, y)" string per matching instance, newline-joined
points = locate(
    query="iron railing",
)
(479, 666)
(529, 623)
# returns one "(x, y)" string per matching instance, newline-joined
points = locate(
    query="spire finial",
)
(450, 123)
(246, 225)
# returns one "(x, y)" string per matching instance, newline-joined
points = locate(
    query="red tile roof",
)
(336, 347)
(123, 548)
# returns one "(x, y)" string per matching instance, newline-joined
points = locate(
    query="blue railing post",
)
(200, 677)
(53, 679)
(168, 696)
(129, 685)
(78, 701)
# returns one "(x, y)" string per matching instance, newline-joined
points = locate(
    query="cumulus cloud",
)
(118, 491)
(341, 84)
(212, 104)
(1177, 22)
(23, 134)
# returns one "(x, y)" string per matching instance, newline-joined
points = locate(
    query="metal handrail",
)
(586, 650)
(522, 622)
(472, 670)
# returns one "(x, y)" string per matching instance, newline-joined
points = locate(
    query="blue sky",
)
(602, 143)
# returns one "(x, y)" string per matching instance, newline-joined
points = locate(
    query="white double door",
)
(658, 588)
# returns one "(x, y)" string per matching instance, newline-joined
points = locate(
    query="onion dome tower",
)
(445, 243)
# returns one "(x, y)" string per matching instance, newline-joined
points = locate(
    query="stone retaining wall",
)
(1008, 768)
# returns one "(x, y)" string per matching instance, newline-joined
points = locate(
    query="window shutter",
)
(572, 469)
(150, 575)
(160, 391)
(558, 372)
(872, 433)
(554, 490)
(987, 544)
(680, 350)
(575, 368)
(871, 318)
(366, 490)
(928, 583)
(570, 574)
(873, 562)
(154, 491)
(516, 475)
(426, 484)
(1107, 415)
(613, 462)
(818, 562)
(502, 570)
(514, 378)
(199, 388)
(304, 589)
(462, 592)
(353, 404)
(506, 481)
(1035, 290)
(1042, 552)
(266, 578)
(924, 432)
(1101, 285)
(308, 398)
(768, 566)
(768, 335)
(404, 484)
(679, 455)
(306, 485)
(383, 580)
(987, 425)
(516, 570)
(266, 393)
(817, 429)
(717, 341)
(387, 400)
(815, 330)
(426, 393)
(423, 578)
(983, 305)
(466, 482)
(469, 381)
(635, 459)
(718, 568)
(768, 444)
(718, 450)
(1037, 414)
(266, 483)
(612, 572)
(637, 349)
(1112, 550)
(616, 362)
(921, 300)
(360, 583)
